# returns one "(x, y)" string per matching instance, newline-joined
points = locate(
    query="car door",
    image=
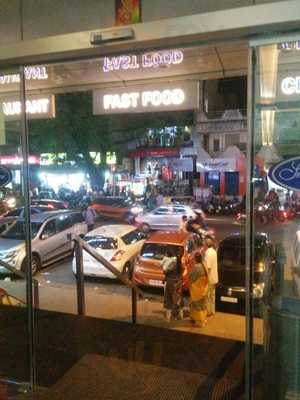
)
(160, 218)
(64, 227)
(46, 244)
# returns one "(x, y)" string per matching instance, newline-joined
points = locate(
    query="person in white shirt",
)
(211, 262)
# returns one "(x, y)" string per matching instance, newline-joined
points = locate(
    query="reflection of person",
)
(211, 263)
(198, 285)
(90, 217)
(173, 297)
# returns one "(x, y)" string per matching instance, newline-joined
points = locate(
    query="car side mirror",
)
(45, 236)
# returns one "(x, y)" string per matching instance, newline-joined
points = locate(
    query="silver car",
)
(166, 217)
(50, 242)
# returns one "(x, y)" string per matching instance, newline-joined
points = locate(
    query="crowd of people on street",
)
(202, 278)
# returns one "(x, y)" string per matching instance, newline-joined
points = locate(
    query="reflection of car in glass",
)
(147, 269)
(51, 203)
(231, 290)
(117, 208)
(119, 244)
(50, 242)
(166, 217)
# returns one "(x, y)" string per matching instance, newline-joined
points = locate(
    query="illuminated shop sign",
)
(286, 173)
(31, 73)
(146, 60)
(36, 107)
(17, 160)
(150, 98)
(290, 85)
(216, 164)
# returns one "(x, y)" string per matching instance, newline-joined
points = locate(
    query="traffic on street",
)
(137, 241)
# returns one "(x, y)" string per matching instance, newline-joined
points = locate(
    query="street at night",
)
(107, 298)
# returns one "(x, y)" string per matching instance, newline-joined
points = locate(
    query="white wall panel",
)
(54, 17)
(10, 27)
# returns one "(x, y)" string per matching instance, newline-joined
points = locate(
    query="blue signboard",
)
(5, 176)
(286, 173)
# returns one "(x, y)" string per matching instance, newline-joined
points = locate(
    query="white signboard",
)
(182, 164)
(216, 164)
(290, 85)
(150, 98)
(42, 106)
(147, 60)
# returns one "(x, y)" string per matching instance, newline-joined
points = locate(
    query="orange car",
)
(147, 269)
(117, 208)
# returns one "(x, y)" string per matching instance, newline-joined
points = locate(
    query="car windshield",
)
(235, 257)
(101, 242)
(17, 230)
(158, 251)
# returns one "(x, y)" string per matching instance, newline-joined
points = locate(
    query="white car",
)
(50, 239)
(166, 217)
(119, 244)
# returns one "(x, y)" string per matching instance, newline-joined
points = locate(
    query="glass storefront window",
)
(276, 205)
(17, 353)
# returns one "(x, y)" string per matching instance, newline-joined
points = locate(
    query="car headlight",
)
(136, 210)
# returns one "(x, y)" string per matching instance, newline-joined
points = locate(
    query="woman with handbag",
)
(173, 292)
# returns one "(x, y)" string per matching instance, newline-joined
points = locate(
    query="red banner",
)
(154, 153)
(128, 12)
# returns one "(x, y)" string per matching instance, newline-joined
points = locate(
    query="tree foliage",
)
(74, 130)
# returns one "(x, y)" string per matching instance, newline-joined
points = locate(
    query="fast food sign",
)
(150, 98)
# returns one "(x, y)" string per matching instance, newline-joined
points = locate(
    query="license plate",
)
(153, 282)
(229, 299)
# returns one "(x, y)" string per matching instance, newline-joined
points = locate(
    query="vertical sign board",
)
(161, 97)
(128, 12)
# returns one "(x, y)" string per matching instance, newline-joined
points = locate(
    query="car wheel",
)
(35, 264)
(128, 270)
(145, 228)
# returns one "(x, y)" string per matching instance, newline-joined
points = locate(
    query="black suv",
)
(231, 290)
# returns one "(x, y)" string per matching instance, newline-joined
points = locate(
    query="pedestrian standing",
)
(198, 287)
(173, 290)
(211, 263)
(90, 217)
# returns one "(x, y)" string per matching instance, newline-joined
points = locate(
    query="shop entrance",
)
(120, 141)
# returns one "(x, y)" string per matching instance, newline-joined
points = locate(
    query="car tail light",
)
(118, 255)
(285, 214)
(50, 205)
